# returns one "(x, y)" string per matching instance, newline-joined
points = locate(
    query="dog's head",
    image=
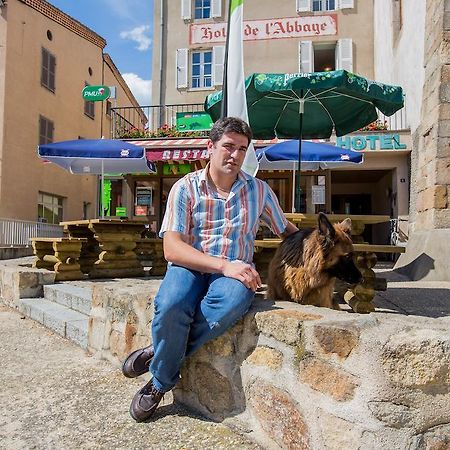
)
(337, 248)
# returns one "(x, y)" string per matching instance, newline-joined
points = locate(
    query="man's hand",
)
(244, 273)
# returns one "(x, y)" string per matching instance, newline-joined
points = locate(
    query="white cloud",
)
(138, 35)
(141, 89)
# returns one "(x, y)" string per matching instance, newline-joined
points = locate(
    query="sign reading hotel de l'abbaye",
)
(291, 27)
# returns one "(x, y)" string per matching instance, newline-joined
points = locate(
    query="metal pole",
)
(299, 189)
(102, 193)
(224, 106)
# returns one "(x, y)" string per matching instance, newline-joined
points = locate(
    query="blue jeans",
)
(191, 308)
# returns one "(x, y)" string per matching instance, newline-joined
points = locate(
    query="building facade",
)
(46, 59)
(289, 36)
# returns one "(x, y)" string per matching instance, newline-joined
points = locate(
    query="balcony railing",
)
(160, 121)
(17, 233)
(150, 121)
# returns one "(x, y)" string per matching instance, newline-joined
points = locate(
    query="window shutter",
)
(186, 13)
(303, 5)
(305, 56)
(344, 55)
(345, 4)
(216, 8)
(182, 68)
(218, 60)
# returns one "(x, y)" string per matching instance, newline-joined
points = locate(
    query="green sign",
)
(106, 198)
(121, 211)
(95, 93)
(371, 142)
(193, 121)
(176, 169)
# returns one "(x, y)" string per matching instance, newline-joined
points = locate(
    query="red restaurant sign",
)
(291, 27)
(176, 155)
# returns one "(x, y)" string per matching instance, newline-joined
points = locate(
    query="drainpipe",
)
(162, 61)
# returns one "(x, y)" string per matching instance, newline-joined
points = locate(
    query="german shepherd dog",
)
(306, 264)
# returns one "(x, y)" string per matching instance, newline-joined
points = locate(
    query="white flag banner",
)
(235, 79)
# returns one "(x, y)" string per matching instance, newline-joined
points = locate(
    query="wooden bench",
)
(151, 249)
(60, 254)
(359, 297)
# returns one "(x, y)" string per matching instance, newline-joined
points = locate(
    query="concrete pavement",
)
(55, 396)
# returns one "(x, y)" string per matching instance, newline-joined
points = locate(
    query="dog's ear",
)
(346, 226)
(324, 226)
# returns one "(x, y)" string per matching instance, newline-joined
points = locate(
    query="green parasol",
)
(311, 105)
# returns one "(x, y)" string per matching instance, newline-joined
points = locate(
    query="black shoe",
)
(138, 362)
(145, 402)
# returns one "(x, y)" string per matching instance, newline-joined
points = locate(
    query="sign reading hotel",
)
(371, 142)
(291, 27)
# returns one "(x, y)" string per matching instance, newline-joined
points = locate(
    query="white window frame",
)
(218, 63)
(202, 8)
(186, 9)
(202, 77)
(344, 54)
(345, 4)
(303, 5)
(181, 68)
(324, 5)
(305, 57)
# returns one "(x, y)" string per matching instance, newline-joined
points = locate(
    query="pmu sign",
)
(96, 93)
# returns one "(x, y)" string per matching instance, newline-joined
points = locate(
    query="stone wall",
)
(299, 377)
(428, 252)
(309, 378)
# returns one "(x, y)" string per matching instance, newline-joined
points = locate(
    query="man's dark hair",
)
(230, 125)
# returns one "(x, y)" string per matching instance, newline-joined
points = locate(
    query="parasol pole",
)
(224, 105)
(102, 183)
(299, 189)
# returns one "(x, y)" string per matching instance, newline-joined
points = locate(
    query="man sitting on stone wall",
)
(209, 229)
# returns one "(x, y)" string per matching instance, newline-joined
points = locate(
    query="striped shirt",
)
(224, 228)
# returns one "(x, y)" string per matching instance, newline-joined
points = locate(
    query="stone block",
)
(283, 325)
(433, 197)
(443, 147)
(418, 358)
(76, 331)
(213, 390)
(327, 379)
(339, 434)
(278, 416)
(438, 438)
(392, 414)
(444, 128)
(338, 340)
(266, 357)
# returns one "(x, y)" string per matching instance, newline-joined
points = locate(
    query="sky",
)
(127, 27)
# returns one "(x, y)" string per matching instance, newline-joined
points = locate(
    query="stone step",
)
(68, 323)
(74, 297)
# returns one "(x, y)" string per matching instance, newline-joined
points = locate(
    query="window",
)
(89, 107)
(46, 129)
(326, 56)
(201, 69)
(50, 208)
(108, 108)
(48, 70)
(323, 5)
(202, 9)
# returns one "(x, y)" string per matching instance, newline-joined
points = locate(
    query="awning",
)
(193, 149)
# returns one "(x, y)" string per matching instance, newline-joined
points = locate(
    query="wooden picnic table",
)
(109, 247)
(359, 221)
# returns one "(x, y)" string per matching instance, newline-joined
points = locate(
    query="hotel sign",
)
(371, 142)
(291, 27)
